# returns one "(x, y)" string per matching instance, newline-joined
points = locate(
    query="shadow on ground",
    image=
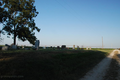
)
(112, 72)
(49, 64)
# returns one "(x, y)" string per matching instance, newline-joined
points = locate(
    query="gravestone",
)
(14, 46)
(82, 47)
(54, 48)
(37, 44)
(44, 47)
(58, 47)
(51, 47)
(33, 47)
(86, 48)
(5, 48)
(73, 46)
(78, 48)
(90, 48)
(7, 45)
(22, 47)
(63, 47)
(67, 47)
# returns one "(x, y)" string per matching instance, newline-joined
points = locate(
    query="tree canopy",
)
(3, 14)
(20, 22)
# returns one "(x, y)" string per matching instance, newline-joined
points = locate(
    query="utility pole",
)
(0, 33)
(102, 42)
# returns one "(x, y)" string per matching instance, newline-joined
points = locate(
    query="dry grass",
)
(49, 64)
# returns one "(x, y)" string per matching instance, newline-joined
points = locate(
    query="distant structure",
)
(0, 33)
(37, 44)
(73, 46)
(63, 47)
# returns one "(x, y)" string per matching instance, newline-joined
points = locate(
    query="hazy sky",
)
(77, 22)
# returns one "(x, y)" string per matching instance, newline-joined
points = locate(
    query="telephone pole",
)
(102, 42)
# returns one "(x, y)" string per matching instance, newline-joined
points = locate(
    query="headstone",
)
(58, 47)
(5, 48)
(33, 47)
(82, 47)
(54, 48)
(37, 44)
(50, 46)
(63, 47)
(44, 47)
(22, 47)
(67, 47)
(14, 46)
(90, 48)
(73, 46)
(78, 48)
(7, 45)
(86, 48)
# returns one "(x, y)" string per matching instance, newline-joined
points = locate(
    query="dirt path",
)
(107, 69)
(113, 72)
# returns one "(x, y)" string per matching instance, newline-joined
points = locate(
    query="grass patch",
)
(107, 50)
(49, 64)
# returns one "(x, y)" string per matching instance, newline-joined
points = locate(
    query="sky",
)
(76, 22)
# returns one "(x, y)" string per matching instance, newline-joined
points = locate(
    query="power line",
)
(66, 8)
(73, 12)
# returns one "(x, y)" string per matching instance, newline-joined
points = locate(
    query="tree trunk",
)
(14, 40)
(14, 36)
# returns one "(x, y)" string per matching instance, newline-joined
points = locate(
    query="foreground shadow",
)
(49, 64)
